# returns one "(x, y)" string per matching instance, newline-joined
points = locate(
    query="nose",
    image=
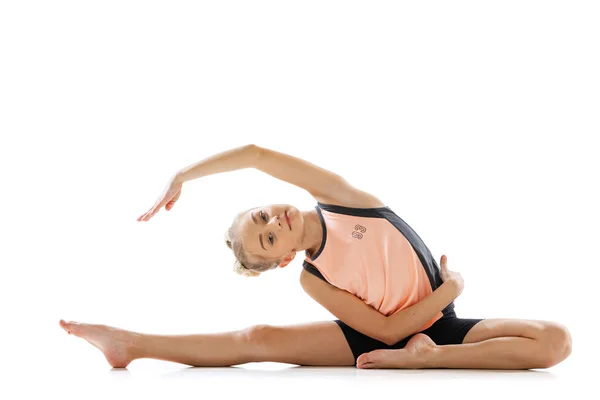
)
(277, 219)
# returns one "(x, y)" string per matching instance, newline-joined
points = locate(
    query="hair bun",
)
(239, 268)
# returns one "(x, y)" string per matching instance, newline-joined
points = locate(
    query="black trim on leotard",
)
(312, 258)
(313, 270)
(358, 212)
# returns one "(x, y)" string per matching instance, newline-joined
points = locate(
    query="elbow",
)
(389, 341)
(388, 338)
(255, 152)
(392, 337)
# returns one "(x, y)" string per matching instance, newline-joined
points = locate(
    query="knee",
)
(259, 335)
(557, 344)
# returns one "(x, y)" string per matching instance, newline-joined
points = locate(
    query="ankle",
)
(136, 345)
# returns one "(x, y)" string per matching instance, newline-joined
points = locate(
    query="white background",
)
(474, 121)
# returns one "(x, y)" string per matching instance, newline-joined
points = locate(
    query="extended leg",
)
(318, 343)
(491, 344)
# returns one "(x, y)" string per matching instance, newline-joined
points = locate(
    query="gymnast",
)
(363, 263)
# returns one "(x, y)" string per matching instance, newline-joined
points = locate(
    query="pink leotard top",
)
(375, 255)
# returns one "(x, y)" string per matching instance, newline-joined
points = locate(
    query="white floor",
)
(82, 373)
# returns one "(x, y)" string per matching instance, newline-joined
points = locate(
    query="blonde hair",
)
(243, 265)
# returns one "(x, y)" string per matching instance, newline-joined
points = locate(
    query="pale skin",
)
(490, 344)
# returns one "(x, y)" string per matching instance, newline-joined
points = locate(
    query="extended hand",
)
(168, 198)
(451, 276)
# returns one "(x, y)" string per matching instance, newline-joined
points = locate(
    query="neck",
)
(313, 232)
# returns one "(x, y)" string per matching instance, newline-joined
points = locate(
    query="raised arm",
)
(225, 161)
(325, 186)
(322, 184)
(301, 173)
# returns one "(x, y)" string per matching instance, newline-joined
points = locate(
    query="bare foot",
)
(414, 355)
(116, 344)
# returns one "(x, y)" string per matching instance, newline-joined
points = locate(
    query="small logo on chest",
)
(358, 231)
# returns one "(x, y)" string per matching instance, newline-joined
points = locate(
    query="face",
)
(266, 234)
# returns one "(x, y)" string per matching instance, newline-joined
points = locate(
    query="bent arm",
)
(350, 309)
(369, 321)
(411, 319)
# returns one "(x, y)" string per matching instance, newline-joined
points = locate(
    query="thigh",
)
(360, 343)
(451, 329)
(315, 343)
(501, 327)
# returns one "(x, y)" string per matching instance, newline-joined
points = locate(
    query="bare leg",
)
(318, 343)
(527, 344)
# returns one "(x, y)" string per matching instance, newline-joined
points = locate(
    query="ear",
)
(287, 259)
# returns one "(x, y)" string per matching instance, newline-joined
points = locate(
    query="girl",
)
(363, 263)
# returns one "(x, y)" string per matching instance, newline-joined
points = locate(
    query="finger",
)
(158, 206)
(144, 215)
(171, 203)
(147, 216)
(150, 215)
(443, 261)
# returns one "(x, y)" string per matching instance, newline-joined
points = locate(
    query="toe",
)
(369, 360)
(373, 356)
(362, 359)
(66, 324)
(70, 326)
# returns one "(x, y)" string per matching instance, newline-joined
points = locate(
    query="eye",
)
(271, 238)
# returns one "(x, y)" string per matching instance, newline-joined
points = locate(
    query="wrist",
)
(180, 177)
(455, 285)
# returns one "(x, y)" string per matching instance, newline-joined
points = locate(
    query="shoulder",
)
(350, 196)
(309, 281)
(305, 277)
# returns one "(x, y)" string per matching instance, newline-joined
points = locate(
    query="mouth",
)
(287, 218)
